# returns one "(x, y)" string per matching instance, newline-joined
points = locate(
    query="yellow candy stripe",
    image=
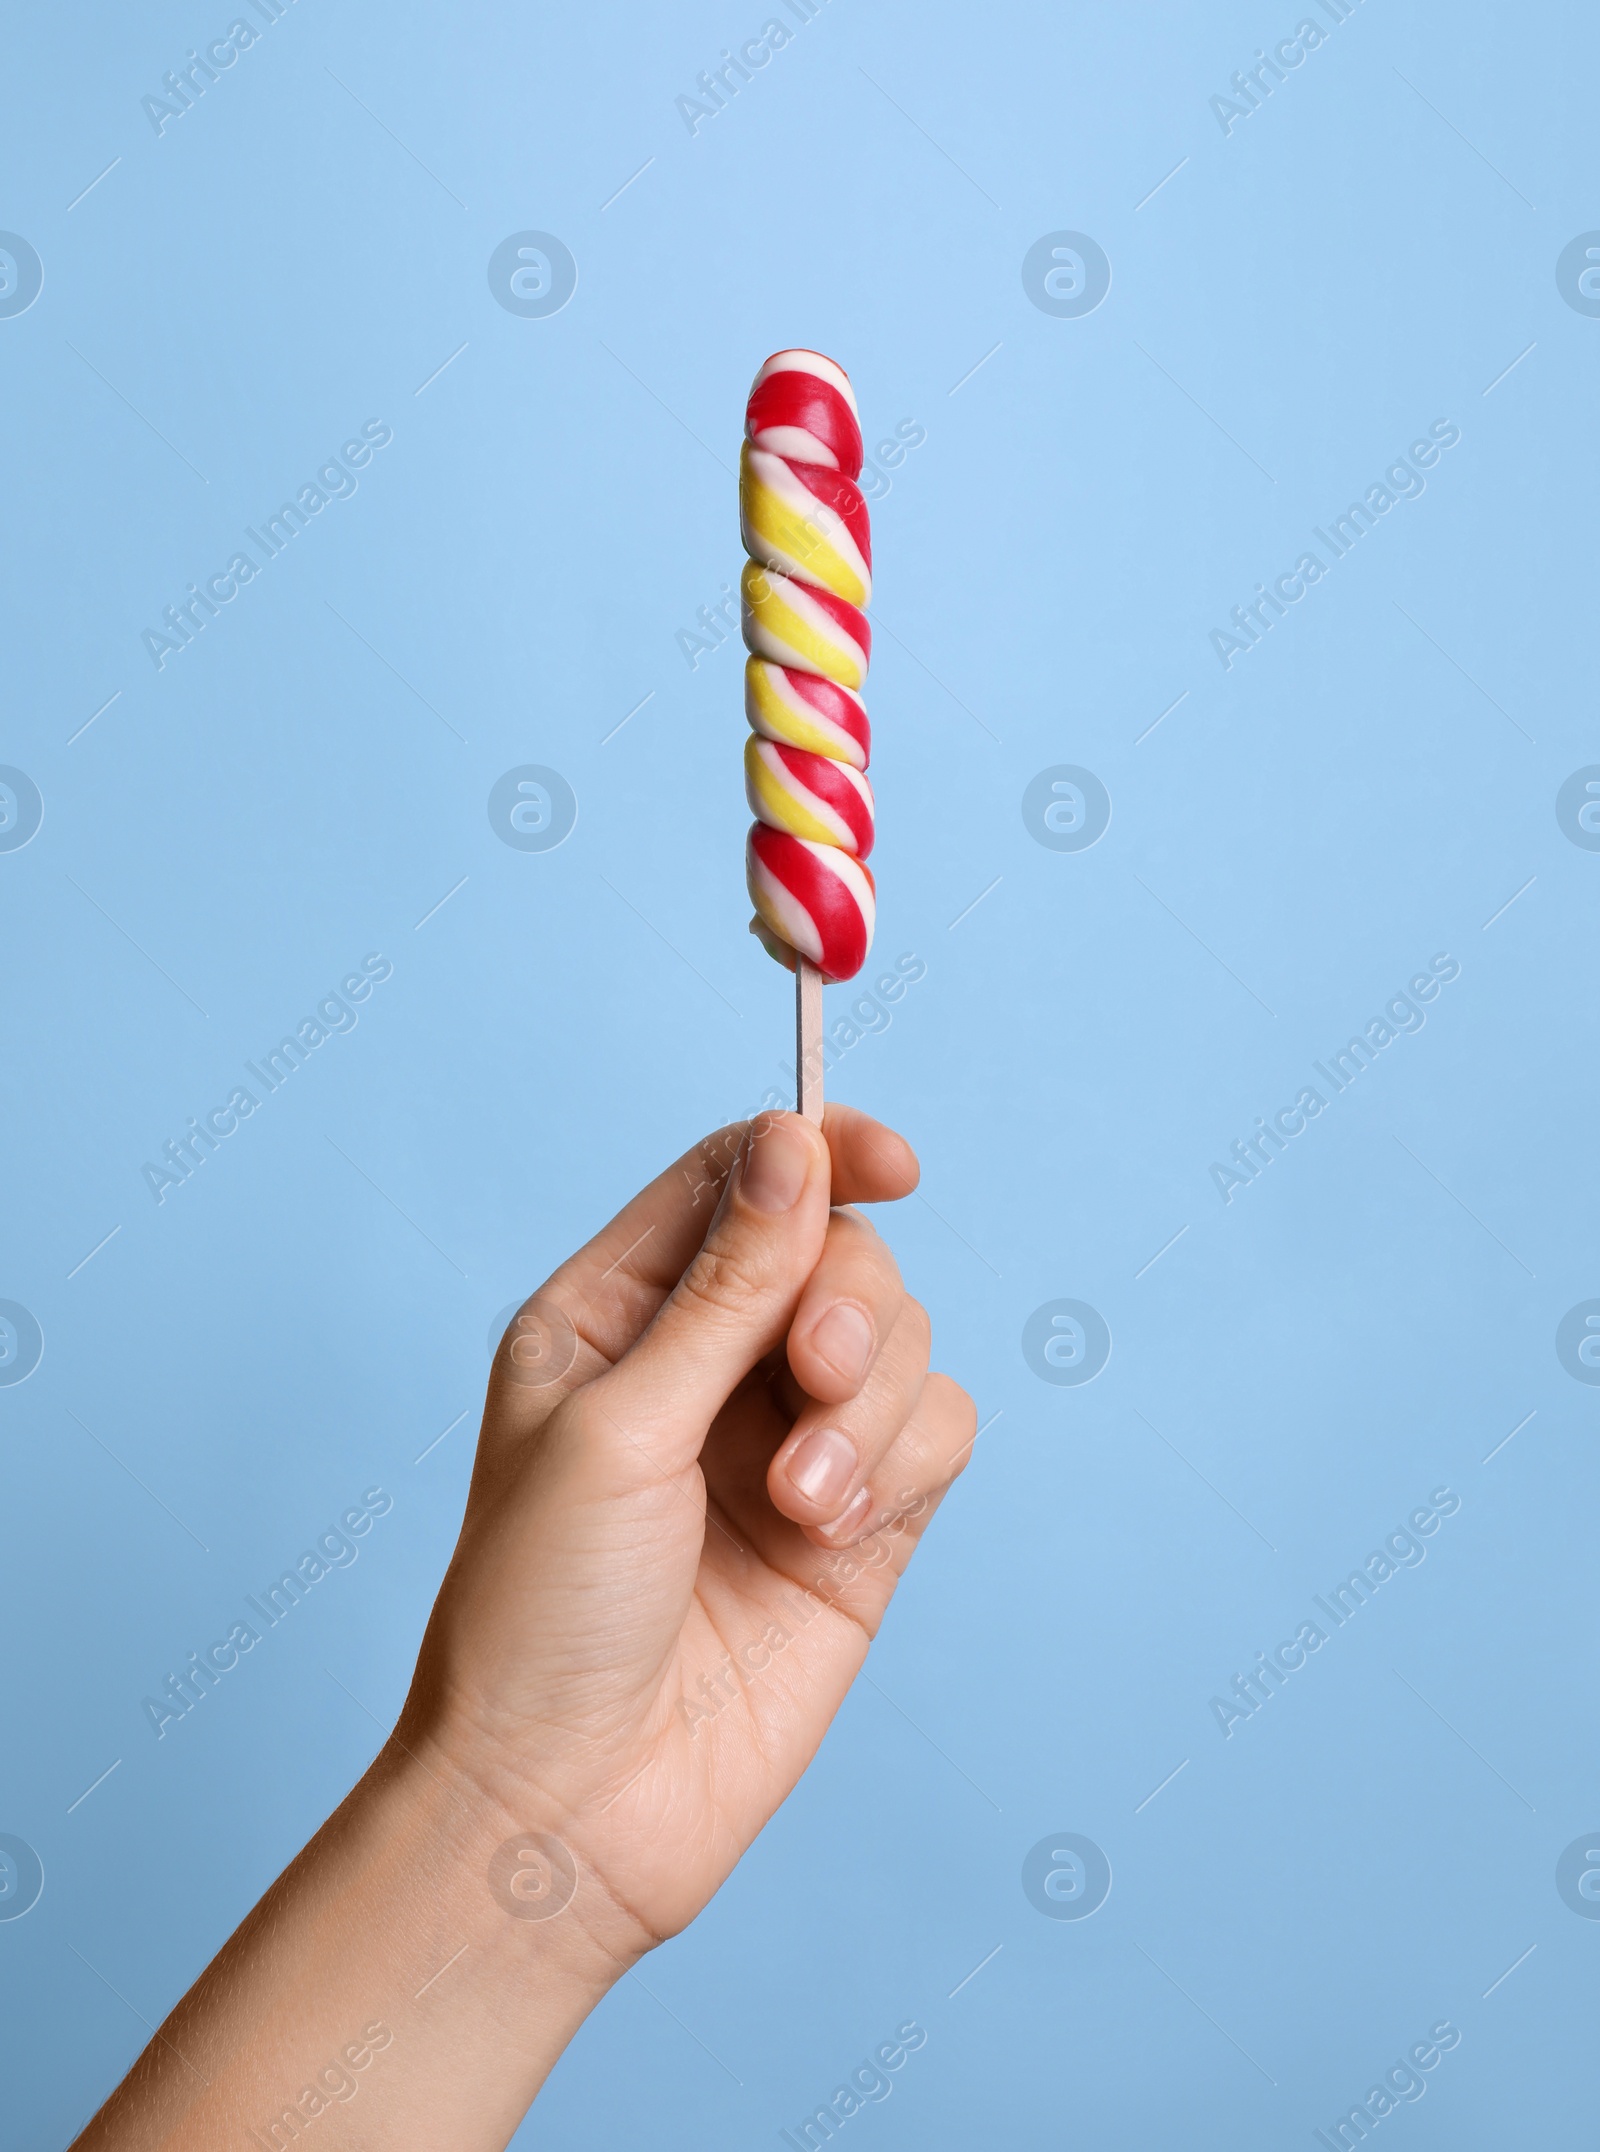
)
(785, 622)
(810, 796)
(777, 712)
(777, 804)
(786, 526)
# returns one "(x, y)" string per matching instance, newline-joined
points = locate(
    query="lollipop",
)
(803, 592)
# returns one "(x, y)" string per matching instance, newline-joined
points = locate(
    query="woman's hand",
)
(710, 1447)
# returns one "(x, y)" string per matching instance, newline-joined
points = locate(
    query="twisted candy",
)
(808, 629)
(804, 522)
(807, 711)
(809, 795)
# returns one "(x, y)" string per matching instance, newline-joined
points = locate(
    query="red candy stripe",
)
(842, 495)
(831, 706)
(822, 884)
(833, 785)
(790, 401)
(849, 618)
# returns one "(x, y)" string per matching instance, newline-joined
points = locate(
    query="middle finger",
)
(850, 1305)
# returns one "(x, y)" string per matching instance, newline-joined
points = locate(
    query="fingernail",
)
(775, 1168)
(844, 1339)
(823, 1467)
(849, 1525)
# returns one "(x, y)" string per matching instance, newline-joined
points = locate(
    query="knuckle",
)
(849, 1231)
(721, 1278)
(885, 1270)
(954, 1394)
(575, 1421)
(953, 1407)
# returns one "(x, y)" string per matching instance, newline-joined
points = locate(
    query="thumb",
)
(735, 1301)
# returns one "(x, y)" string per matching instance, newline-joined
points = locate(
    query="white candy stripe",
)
(785, 914)
(795, 441)
(797, 721)
(790, 785)
(855, 879)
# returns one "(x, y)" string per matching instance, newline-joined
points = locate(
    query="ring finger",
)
(819, 1476)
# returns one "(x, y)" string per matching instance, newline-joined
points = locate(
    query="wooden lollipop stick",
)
(808, 1040)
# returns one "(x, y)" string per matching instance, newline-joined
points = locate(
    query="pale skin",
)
(710, 1446)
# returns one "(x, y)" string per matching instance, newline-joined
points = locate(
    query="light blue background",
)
(1301, 299)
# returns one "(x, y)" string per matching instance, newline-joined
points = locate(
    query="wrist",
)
(515, 1837)
(499, 1878)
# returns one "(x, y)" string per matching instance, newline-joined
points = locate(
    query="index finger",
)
(871, 1163)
